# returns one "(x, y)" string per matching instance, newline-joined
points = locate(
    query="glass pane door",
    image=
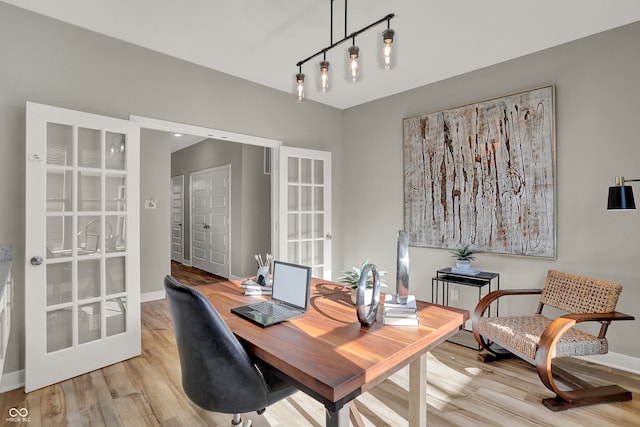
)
(305, 220)
(86, 221)
(87, 313)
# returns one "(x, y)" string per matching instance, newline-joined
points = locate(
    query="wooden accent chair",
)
(538, 339)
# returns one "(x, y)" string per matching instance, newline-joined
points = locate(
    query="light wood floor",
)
(146, 391)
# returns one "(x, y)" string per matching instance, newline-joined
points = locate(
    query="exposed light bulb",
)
(387, 51)
(324, 75)
(354, 66)
(300, 87)
(387, 55)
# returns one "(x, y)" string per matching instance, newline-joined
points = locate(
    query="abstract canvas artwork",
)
(483, 175)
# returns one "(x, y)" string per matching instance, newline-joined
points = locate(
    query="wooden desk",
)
(330, 356)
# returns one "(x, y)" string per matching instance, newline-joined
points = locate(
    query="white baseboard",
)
(11, 381)
(617, 361)
(152, 296)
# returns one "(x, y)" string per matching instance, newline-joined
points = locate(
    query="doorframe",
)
(274, 144)
(181, 215)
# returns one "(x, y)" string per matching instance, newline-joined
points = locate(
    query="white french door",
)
(210, 220)
(305, 209)
(82, 269)
(177, 218)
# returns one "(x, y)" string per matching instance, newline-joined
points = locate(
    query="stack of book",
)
(395, 313)
(252, 288)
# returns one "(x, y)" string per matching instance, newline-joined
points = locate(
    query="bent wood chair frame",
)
(583, 393)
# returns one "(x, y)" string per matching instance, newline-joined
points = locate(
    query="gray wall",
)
(53, 63)
(250, 189)
(597, 111)
(255, 236)
(155, 183)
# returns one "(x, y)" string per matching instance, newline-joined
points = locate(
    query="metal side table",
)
(445, 294)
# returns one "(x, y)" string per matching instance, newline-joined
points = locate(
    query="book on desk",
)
(395, 313)
(252, 288)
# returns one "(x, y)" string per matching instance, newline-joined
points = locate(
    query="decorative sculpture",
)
(368, 317)
(402, 275)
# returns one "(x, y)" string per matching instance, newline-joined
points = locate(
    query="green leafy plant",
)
(464, 253)
(352, 277)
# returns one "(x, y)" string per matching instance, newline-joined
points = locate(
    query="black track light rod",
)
(345, 17)
(350, 36)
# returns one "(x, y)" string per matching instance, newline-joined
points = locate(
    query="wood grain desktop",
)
(330, 356)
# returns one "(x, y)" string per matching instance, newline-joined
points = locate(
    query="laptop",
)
(289, 299)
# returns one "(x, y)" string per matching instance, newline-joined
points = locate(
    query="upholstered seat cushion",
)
(522, 334)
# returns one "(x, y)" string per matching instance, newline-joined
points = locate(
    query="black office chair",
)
(217, 373)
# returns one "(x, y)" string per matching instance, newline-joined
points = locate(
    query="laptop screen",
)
(291, 283)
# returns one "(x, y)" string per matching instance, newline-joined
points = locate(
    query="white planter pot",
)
(463, 264)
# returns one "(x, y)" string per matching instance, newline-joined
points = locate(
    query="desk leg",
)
(418, 392)
(339, 418)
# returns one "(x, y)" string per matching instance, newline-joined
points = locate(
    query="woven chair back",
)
(578, 294)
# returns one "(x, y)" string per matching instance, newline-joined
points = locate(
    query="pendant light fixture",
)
(300, 86)
(353, 64)
(387, 38)
(324, 74)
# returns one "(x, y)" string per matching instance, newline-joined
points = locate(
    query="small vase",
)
(368, 294)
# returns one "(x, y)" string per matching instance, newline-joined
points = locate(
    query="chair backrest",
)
(217, 373)
(579, 294)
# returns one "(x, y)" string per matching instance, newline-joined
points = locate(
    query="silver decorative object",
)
(402, 277)
(367, 318)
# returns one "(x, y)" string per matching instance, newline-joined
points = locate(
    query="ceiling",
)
(180, 141)
(262, 41)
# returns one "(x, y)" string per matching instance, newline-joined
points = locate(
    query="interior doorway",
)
(245, 263)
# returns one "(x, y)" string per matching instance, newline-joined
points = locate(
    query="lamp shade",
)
(621, 197)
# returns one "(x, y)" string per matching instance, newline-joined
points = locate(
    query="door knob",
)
(328, 236)
(36, 260)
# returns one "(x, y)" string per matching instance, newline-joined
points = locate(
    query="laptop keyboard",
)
(276, 311)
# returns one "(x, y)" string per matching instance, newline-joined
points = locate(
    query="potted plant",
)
(351, 278)
(464, 256)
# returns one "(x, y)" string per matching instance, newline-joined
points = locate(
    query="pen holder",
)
(262, 276)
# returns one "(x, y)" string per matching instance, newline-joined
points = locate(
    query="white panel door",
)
(82, 269)
(210, 220)
(177, 218)
(305, 209)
